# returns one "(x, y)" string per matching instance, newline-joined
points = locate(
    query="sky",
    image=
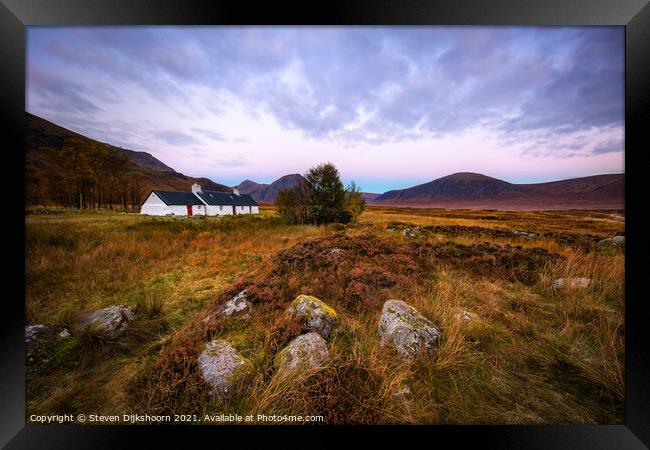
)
(391, 107)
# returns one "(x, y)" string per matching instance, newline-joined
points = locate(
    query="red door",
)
(189, 210)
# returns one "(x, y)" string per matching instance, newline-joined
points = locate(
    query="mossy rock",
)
(314, 314)
(571, 283)
(223, 369)
(46, 347)
(305, 353)
(407, 331)
(107, 323)
(611, 246)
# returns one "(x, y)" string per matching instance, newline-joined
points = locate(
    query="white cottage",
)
(198, 202)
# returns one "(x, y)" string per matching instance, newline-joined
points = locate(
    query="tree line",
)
(321, 198)
(85, 176)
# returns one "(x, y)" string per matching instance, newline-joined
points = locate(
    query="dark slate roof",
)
(244, 200)
(226, 198)
(178, 198)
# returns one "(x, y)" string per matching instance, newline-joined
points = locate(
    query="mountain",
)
(249, 186)
(596, 185)
(44, 141)
(146, 160)
(369, 197)
(267, 193)
(458, 185)
(473, 190)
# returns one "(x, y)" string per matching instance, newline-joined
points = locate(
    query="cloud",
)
(50, 91)
(175, 137)
(346, 85)
(239, 161)
(210, 134)
(610, 146)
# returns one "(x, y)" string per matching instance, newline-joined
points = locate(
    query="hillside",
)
(267, 193)
(142, 172)
(370, 197)
(597, 185)
(472, 190)
(458, 185)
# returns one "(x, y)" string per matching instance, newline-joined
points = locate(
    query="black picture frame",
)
(16, 15)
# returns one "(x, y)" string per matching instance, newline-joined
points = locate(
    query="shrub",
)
(321, 199)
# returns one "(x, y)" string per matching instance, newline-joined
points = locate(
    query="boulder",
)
(616, 241)
(524, 234)
(304, 353)
(571, 283)
(406, 330)
(409, 232)
(108, 323)
(223, 369)
(238, 306)
(313, 314)
(41, 343)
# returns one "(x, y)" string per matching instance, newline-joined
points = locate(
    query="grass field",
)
(532, 355)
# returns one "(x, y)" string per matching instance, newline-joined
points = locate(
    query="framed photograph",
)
(425, 219)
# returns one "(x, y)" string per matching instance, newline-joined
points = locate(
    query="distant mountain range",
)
(474, 190)
(477, 191)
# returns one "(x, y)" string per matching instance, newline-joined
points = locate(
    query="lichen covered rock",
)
(524, 234)
(304, 353)
(571, 283)
(406, 330)
(409, 232)
(238, 306)
(108, 323)
(41, 344)
(313, 314)
(616, 242)
(223, 369)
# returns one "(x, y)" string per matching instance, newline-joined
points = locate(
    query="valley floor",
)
(532, 353)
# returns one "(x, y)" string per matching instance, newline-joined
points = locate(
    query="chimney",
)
(235, 191)
(196, 188)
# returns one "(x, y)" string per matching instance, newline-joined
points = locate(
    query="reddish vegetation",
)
(355, 274)
(348, 269)
(584, 241)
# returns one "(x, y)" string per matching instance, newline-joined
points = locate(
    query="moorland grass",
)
(532, 354)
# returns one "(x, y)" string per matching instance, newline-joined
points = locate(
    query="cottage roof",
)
(226, 198)
(178, 198)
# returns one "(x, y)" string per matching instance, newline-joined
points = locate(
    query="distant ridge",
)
(478, 191)
(457, 185)
(267, 193)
